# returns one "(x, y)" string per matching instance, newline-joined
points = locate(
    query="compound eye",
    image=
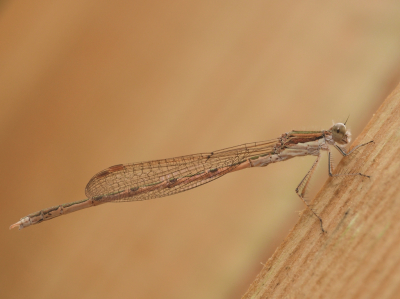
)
(338, 133)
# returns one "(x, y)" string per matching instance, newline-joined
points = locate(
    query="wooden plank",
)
(359, 256)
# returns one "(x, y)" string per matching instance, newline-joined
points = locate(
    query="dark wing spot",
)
(103, 173)
(116, 168)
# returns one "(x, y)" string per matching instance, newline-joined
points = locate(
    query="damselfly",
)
(159, 178)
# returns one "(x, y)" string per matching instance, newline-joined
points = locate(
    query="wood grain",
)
(359, 256)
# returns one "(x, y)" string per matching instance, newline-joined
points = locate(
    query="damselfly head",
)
(340, 134)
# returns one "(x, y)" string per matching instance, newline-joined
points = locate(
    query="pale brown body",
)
(158, 178)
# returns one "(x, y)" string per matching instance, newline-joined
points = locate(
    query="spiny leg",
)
(301, 189)
(344, 154)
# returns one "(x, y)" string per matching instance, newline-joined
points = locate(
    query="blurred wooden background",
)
(88, 84)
